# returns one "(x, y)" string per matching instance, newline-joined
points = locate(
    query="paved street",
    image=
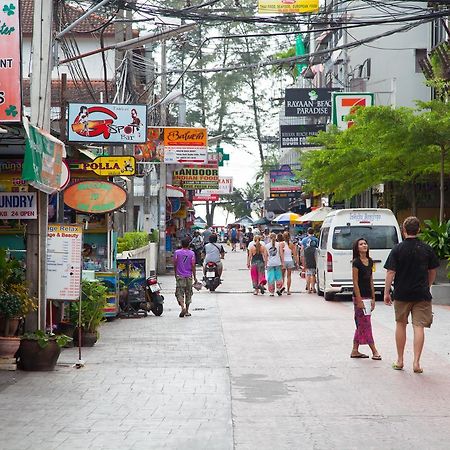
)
(244, 372)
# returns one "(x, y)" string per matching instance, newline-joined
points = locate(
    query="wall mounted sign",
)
(64, 243)
(107, 123)
(10, 63)
(205, 177)
(95, 197)
(110, 166)
(225, 187)
(288, 6)
(18, 205)
(283, 180)
(153, 149)
(345, 103)
(307, 102)
(297, 135)
(185, 145)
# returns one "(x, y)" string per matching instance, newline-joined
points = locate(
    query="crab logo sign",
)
(107, 124)
(346, 103)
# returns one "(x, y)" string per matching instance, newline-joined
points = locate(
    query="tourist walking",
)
(363, 299)
(184, 268)
(411, 265)
(289, 256)
(274, 266)
(234, 239)
(309, 263)
(256, 262)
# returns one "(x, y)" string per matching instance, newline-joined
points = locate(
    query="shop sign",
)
(297, 135)
(107, 123)
(153, 149)
(307, 102)
(64, 244)
(283, 180)
(185, 145)
(10, 63)
(345, 103)
(18, 205)
(205, 177)
(203, 196)
(42, 166)
(288, 6)
(96, 197)
(110, 166)
(225, 188)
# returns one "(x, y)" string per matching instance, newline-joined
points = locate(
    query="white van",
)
(340, 229)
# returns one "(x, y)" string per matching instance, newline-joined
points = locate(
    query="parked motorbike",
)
(212, 279)
(154, 301)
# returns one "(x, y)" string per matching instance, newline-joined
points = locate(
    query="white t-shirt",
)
(274, 259)
(252, 244)
(212, 252)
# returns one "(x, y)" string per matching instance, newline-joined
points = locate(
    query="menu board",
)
(64, 242)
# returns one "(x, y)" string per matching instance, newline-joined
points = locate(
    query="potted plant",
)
(93, 302)
(437, 235)
(39, 351)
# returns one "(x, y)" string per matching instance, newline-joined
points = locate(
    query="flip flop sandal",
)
(395, 366)
(188, 314)
(418, 370)
(359, 355)
(376, 358)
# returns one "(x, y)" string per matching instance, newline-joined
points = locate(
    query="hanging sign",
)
(64, 243)
(153, 149)
(288, 6)
(10, 63)
(107, 123)
(283, 180)
(110, 166)
(204, 177)
(95, 197)
(345, 103)
(18, 205)
(307, 102)
(225, 188)
(185, 145)
(297, 135)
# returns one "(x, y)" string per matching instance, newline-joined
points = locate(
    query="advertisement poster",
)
(18, 205)
(104, 123)
(307, 102)
(297, 135)
(288, 6)
(153, 149)
(64, 242)
(205, 177)
(345, 103)
(284, 180)
(185, 145)
(110, 166)
(10, 63)
(132, 278)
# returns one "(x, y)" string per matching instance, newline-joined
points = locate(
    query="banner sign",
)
(205, 177)
(18, 205)
(284, 180)
(64, 243)
(185, 145)
(225, 188)
(307, 102)
(345, 103)
(288, 6)
(107, 123)
(203, 196)
(110, 166)
(10, 63)
(297, 135)
(42, 166)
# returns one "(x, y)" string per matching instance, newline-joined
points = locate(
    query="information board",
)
(64, 243)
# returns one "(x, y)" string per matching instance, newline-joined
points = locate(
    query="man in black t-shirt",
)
(411, 265)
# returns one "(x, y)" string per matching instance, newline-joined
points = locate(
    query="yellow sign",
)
(288, 6)
(110, 166)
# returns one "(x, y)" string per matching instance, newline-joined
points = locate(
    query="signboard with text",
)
(345, 103)
(185, 145)
(297, 135)
(18, 205)
(283, 180)
(107, 123)
(10, 63)
(64, 244)
(308, 102)
(204, 177)
(110, 166)
(286, 7)
(225, 187)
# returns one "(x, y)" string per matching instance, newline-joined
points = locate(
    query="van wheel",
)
(319, 292)
(329, 296)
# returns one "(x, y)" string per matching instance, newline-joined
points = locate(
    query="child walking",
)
(363, 294)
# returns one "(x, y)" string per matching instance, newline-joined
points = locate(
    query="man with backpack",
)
(234, 239)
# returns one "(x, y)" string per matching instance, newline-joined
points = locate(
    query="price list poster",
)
(64, 244)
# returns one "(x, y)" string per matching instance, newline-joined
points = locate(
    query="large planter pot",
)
(9, 326)
(441, 272)
(68, 329)
(9, 346)
(33, 357)
(88, 338)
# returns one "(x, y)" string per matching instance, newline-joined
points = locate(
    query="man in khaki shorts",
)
(411, 265)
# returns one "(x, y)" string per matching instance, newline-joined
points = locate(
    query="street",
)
(244, 372)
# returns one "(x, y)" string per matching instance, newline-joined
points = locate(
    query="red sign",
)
(10, 63)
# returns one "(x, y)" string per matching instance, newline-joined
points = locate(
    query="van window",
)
(378, 237)
(324, 238)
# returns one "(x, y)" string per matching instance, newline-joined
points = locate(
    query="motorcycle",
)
(212, 279)
(154, 301)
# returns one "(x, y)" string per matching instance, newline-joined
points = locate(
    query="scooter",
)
(212, 279)
(154, 301)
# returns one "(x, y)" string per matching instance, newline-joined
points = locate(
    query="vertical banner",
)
(10, 63)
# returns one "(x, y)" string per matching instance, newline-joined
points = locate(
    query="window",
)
(421, 53)
(324, 238)
(378, 237)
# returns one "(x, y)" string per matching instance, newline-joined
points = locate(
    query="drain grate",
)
(199, 309)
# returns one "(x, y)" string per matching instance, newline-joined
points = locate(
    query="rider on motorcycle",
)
(213, 253)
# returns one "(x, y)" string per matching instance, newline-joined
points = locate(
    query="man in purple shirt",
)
(184, 265)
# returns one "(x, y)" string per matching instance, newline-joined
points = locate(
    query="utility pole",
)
(36, 256)
(162, 262)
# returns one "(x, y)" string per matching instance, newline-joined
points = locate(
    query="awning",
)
(318, 215)
(175, 191)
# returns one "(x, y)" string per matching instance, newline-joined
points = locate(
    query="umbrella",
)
(288, 217)
(318, 215)
(262, 221)
(245, 221)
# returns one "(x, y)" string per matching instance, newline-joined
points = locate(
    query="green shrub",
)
(132, 240)
(438, 237)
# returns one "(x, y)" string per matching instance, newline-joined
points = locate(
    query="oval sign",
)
(96, 197)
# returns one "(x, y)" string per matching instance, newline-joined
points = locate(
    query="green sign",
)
(222, 156)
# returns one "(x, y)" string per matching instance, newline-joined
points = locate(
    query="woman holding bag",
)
(363, 299)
